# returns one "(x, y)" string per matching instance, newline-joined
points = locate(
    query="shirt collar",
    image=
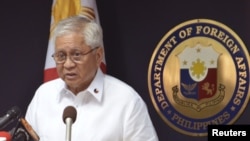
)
(95, 88)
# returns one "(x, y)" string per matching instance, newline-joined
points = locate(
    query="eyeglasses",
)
(76, 56)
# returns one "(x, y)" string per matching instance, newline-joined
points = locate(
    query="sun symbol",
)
(198, 68)
(66, 8)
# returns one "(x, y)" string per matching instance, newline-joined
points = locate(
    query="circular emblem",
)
(198, 76)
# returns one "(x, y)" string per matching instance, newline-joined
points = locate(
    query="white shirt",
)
(108, 110)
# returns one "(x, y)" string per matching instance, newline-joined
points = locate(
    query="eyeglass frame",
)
(81, 55)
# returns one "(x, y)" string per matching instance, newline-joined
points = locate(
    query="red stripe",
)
(103, 67)
(50, 74)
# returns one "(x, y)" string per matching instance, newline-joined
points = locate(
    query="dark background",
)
(132, 29)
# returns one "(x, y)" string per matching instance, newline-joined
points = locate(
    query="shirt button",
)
(96, 91)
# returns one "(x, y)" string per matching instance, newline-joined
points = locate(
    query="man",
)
(107, 108)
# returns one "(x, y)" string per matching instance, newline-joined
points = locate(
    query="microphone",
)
(69, 117)
(24, 132)
(5, 136)
(11, 115)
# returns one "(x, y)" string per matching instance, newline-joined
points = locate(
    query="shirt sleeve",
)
(31, 111)
(138, 125)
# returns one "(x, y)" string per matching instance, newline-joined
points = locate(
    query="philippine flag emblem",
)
(198, 72)
(199, 75)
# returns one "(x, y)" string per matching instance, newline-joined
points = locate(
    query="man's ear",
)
(99, 55)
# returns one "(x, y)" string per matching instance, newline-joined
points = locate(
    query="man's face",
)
(77, 74)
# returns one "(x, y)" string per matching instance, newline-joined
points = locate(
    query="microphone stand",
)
(69, 123)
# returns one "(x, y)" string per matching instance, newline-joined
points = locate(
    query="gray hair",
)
(90, 30)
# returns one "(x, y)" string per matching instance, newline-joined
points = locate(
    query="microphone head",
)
(5, 136)
(11, 115)
(14, 112)
(69, 112)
